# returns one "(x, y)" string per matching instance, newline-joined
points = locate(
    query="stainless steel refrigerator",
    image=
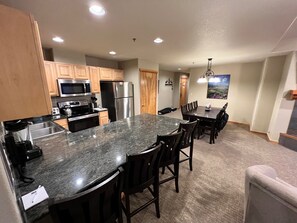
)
(118, 98)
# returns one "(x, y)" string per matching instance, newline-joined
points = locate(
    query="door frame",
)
(157, 87)
(183, 76)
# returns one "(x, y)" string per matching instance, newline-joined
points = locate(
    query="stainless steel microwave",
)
(74, 87)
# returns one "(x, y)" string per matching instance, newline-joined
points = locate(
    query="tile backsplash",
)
(55, 100)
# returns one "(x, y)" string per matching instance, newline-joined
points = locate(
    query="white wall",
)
(149, 65)
(243, 87)
(131, 73)
(98, 62)
(8, 207)
(165, 92)
(68, 56)
(271, 76)
(283, 107)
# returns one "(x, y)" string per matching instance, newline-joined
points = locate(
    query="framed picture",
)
(219, 88)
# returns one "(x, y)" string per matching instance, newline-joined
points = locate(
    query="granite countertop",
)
(71, 161)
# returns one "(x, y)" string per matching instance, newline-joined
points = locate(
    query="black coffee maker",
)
(19, 145)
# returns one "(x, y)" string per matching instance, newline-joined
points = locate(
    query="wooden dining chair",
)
(187, 140)
(210, 128)
(190, 106)
(141, 172)
(195, 104)
(170, 155)
(100, 203)
(184, 111)
(225, 106)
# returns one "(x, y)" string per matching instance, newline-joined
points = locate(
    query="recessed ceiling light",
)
(58, 39)
(97, 10)
(158, 40)
(179, 68)
(112, 53)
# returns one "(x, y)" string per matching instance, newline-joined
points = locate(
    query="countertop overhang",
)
(72, 161)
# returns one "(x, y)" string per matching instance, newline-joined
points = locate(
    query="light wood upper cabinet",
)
(106, 74)
(118, 75)
(81, 72)
(109, 74)
(95, 79)
(64, 71)
(23, 85)
(51, 76)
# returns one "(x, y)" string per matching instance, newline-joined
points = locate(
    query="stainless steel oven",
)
(80, 115)
(74, 87)
(83, 122)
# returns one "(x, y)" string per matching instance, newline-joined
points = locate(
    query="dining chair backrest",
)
(195, 104)
(142, 168)
(188, 136)
(190, 106)
(184, 111)
(219, 118)
(225, 106)
(100, 203)
(170, 147)
(223, 121)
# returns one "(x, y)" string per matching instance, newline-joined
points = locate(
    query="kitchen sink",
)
(41, 125)
(45, 129)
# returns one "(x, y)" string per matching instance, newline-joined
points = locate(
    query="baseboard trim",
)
(262, 133)
(289, 136)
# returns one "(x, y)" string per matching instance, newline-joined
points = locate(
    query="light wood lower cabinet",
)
(95, 79)
(64, 71)
(81, 72)
(103, 118)
(51, 76)
(62, 122)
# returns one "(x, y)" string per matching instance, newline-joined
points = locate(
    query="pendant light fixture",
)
(209, 75)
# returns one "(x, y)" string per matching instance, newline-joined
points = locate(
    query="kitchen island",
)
(72, 161)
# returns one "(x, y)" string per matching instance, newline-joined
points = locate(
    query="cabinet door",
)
(95, 79)
(64, 70)
(103, 118)
(106, 74)
(81, 72)
(51, 76)
(63, 123)
(118, 75)
(23, 86)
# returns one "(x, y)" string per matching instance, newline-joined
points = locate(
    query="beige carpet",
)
(214, 190)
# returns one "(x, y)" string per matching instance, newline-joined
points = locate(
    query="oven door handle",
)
(82, 117)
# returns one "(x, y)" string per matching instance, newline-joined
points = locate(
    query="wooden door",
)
(51, 76)
(81, 72)
(148, 91)
(95, 79)
(183, 89)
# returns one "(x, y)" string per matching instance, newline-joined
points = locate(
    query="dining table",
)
(206, 116)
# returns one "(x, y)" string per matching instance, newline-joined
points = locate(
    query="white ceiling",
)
(193, 30)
